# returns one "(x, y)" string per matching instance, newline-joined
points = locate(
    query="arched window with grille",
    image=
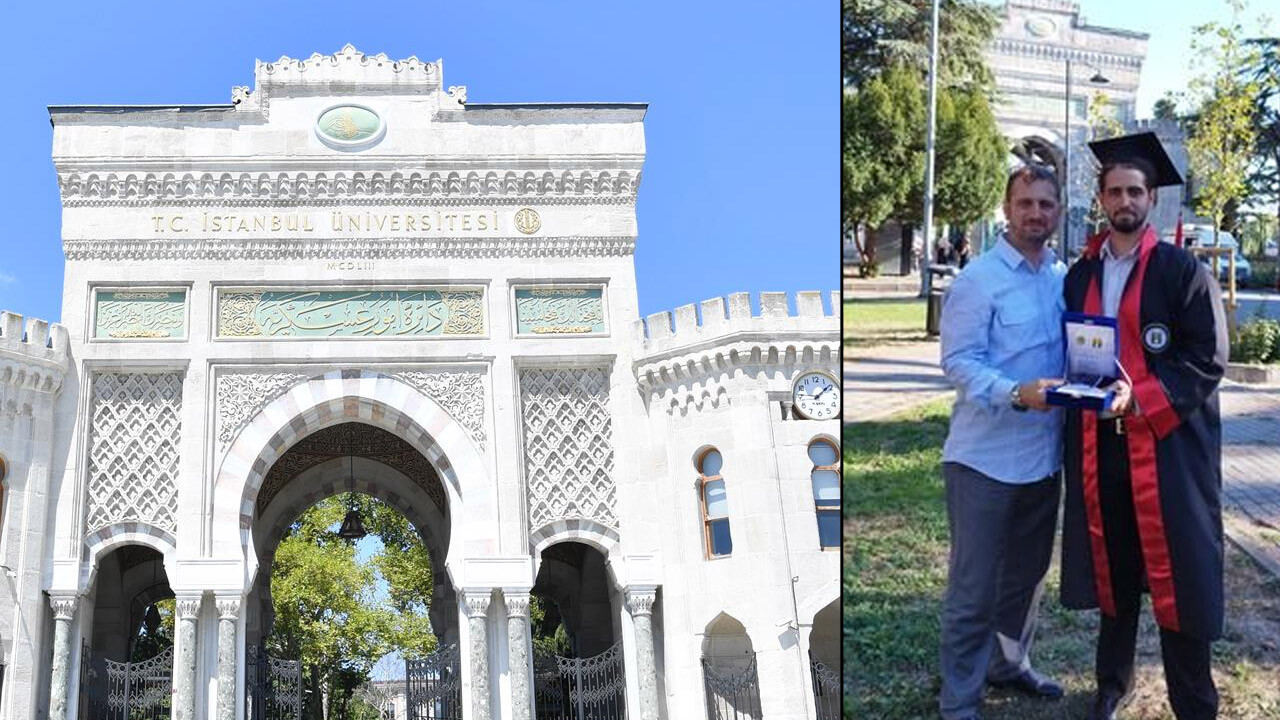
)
(715, 505)
(825, 477)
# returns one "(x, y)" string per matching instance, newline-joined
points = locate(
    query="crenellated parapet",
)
(682, 358)
(34, 357)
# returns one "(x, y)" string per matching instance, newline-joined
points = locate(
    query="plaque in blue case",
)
(1093, 349)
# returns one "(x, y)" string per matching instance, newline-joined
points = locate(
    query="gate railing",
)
(111, 690)
(733, 693)
(273, 687)
(591, 688)
(434, 686)
(826, 690)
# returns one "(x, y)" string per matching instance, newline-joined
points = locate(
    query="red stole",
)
(1141, 433)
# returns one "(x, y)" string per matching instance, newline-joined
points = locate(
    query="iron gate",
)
(111, 690)
(434, 686)
(273, 687)
(733, 693)
(826, 690)
(591, 688)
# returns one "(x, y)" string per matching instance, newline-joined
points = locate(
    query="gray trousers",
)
(1001, 544)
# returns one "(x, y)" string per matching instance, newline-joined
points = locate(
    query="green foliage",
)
(1222, 142)
(880, 34)
(1257, 341)
(326, 610)
(969, 158)
(547, 633)
(156, 632)
(1166, 108)
(883, 145)
(1264, 174)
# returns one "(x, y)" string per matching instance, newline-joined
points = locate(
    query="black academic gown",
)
(1173, 343)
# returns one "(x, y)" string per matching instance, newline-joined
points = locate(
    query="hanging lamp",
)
(352, 525)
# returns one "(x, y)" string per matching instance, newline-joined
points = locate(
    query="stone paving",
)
(883, 380)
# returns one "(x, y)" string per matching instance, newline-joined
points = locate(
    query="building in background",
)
(349, 277)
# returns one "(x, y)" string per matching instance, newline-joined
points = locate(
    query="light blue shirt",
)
(1002, 326)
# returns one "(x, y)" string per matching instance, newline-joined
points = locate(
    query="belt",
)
(1116, 424)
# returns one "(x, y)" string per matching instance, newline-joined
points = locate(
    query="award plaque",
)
(1093, 349)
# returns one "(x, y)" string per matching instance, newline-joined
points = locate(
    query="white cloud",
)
(6, 278)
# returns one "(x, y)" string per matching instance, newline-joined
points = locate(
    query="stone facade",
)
(1036, 41)
(351, 244)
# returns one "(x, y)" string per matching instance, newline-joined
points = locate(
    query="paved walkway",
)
(881, 381)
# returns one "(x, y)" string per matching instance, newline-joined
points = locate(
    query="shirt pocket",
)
(1018, 326)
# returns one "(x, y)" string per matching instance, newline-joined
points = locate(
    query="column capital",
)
(477, 602)
(64, 606)
(188, 606)
(640, 599)
(228, 607)
(517, 602)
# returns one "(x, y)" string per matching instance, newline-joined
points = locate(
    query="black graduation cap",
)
(1145, 146)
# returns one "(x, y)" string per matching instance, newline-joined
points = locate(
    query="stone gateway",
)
(349, 270)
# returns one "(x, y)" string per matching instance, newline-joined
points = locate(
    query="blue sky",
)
(740, 188)
(1170, 25)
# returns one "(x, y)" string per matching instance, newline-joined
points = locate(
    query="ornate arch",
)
(368, 397)
(103, 540)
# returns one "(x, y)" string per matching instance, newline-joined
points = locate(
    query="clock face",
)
(816, 396)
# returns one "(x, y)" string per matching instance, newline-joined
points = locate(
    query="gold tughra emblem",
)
(527, 221)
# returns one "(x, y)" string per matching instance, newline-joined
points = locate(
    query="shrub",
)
(1257, 341)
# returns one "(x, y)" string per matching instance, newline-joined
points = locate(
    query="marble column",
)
(228, 613)
(64, 608)
(477, 631)
(518, 652)
(184, 668)
(640, 605)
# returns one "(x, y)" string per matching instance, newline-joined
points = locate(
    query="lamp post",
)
(1065, 234)
(931, 130)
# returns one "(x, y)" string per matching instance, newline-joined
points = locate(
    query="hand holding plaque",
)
(1093, 349)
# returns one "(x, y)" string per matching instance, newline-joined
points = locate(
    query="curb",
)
(1254, 374)
(1236, 528)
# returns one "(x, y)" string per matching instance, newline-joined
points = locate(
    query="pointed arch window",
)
(715, 505)
(825, 478)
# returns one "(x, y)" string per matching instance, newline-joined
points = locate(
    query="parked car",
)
(1202, 236)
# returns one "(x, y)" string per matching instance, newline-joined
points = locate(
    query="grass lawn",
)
(895, 572)
(875, 322)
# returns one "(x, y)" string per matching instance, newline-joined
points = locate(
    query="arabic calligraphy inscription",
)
(350, 313)
(561, 311)
(140, 314)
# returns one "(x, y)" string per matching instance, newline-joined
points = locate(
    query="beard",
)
(1035, 235)
(1127, 222)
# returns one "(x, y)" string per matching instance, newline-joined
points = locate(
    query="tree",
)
(882, 153)
(1166, 108)
(880, 34)
(1221, 145)
(969, 162)
(1264, 172)
(327, 610)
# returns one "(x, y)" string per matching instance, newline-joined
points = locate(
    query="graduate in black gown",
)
(1143, 481)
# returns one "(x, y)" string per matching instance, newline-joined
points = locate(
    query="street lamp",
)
(1097, 79)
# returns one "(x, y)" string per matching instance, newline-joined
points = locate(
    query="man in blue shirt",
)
(1001, 348)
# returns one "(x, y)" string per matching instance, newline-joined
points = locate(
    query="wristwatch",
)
(1015, 400)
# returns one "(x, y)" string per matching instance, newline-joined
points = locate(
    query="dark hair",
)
(1143, 166)
(1032, 173)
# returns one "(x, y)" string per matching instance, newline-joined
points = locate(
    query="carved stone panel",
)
(132, 314)
(560, 311)
(461, 394)
(349, 313)
(568, 445)
(240, 396)
(135, 423)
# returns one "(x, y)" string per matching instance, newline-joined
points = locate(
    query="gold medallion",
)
(527, 221)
